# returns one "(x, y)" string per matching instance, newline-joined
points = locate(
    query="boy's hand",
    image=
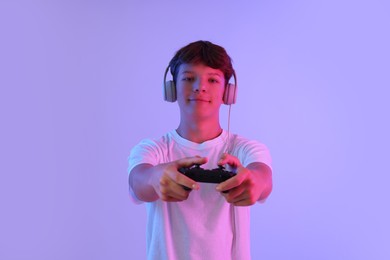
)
(169, 184)
(248, 185)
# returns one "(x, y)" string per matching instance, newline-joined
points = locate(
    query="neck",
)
(199, 132)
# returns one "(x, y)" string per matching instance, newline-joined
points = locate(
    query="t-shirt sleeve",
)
(250, 151)
(147, 151)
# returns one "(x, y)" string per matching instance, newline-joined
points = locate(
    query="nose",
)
(199, 86)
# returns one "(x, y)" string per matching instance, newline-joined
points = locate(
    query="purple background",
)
(81, 83)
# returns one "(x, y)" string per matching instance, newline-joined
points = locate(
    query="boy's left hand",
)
(251, 184)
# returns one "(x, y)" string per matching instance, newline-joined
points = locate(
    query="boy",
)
(186, 219)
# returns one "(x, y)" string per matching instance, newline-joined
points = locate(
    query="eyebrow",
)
(210, 74)
(186, 71)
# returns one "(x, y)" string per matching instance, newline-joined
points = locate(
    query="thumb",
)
(189, 161)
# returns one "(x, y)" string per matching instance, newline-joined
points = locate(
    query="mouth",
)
(199, 100)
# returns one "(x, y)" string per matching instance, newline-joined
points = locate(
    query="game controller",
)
(199, 174)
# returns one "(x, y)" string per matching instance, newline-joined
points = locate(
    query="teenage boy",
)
(203, 221)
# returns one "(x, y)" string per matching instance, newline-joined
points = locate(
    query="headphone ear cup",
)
(230, 94)
(170, 91)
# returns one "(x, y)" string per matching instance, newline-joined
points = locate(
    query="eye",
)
(213, 80)
(189, 79)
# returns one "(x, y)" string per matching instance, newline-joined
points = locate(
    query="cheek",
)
(220, 93)
(182, 88)
(181, 92)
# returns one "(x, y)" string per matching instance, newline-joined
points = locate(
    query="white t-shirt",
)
(204, 226)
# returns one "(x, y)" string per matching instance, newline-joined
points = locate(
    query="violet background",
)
(81, 83)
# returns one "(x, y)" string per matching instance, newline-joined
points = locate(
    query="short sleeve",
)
(147, 151)
(250, 151)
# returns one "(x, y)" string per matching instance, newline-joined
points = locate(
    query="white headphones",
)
(229, 95)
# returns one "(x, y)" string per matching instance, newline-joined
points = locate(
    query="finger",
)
(236, 194)
(229, 159)
(183, 181)
(185, 190)
(228, 184)
(171, 190)
(245, 202)
(243, 199)
(232, 182)
(238, 199)
(179, 192)
(189, 161)
(224, 159)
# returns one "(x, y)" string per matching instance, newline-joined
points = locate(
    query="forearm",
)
(141, 180)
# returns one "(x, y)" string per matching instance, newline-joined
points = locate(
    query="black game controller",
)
(199, 174)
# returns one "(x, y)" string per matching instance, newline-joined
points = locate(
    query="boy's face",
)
(199, 90)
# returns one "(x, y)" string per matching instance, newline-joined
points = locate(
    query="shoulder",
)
(242, 143)
(154, 143)
(149, 150)
(250, 150)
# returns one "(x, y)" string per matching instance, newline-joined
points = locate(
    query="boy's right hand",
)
(169, 184)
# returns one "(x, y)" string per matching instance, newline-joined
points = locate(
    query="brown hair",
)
(204, 52)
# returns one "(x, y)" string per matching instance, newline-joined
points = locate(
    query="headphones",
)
(229, 94)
